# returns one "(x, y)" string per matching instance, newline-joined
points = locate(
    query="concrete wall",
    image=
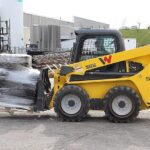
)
(47, 37)
(66, 28)
(31, 20)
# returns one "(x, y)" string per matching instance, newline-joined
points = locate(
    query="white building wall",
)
(130, 43)
(13, 10)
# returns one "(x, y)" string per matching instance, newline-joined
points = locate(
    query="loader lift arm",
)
(135, 55)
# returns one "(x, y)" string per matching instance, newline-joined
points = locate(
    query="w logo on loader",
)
(106, 59)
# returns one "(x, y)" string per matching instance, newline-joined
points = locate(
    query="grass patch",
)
(142, 35)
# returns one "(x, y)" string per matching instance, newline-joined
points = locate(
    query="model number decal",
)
(91, 66)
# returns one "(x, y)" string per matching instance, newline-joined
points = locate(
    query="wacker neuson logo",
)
(106, 59)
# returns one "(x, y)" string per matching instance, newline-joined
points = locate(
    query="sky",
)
(117, 13)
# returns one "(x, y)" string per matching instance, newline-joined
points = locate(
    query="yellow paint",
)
(127, 66)
(98, 88)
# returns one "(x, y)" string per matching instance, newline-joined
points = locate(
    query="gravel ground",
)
(33, 132)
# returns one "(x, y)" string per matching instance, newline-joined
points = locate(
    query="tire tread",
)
(58, 96)
(137, 102)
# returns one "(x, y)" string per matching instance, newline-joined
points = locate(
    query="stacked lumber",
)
(17, 79)
(41, 61)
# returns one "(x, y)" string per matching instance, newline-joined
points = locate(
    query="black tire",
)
(131, 95)
(81, 94)
(41, 98)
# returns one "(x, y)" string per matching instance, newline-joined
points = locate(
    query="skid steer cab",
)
(101, 76)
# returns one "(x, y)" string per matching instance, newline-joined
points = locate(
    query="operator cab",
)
(95, 43)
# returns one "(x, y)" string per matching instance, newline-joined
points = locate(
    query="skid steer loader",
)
(101, 76)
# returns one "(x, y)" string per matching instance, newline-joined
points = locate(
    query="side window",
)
(98, 46)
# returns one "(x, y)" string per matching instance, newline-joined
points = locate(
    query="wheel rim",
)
(122, 105)
(71, 104)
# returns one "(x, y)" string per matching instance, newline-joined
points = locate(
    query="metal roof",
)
(97, 32)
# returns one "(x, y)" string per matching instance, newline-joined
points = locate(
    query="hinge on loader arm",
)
(66, 70)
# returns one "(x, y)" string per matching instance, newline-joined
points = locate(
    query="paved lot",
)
(29, 132)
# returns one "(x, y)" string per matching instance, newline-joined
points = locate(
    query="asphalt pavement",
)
(24, 131)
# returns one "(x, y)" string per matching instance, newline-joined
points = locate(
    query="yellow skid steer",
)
(117, 81)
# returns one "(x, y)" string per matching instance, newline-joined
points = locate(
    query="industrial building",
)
(67, 28)
(36, 29)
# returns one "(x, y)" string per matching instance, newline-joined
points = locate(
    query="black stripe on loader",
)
(102, 61)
